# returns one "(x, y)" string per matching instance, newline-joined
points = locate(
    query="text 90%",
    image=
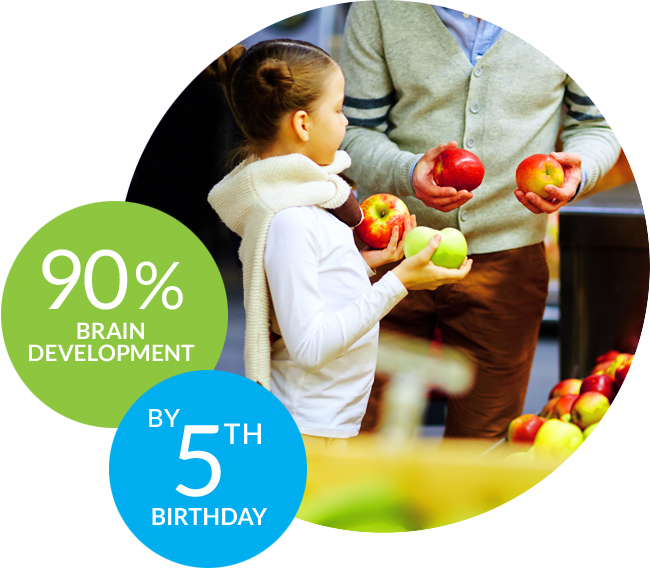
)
(72, 279)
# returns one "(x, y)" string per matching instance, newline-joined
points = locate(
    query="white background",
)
(84, 84)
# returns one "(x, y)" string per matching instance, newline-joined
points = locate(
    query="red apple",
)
(458, 168)
(523, 429)
(620, 361)
(547, 411)
(562, 409)
(566, 387)
(607, 356)
(536, 172)
(381, 212)
(601, 383)
(621, 373)
(589, 408)
(601, 367)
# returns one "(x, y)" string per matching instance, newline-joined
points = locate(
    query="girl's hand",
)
(395, 249)
(418, 272)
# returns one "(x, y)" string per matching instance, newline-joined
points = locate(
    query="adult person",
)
(420, 78)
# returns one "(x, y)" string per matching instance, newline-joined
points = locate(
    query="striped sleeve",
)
(370, 112)
(378, 165)
(580, 107)
(586, 132)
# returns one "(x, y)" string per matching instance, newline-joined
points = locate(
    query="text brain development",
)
(108, 352)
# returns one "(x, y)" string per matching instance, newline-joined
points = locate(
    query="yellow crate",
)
(423, 484)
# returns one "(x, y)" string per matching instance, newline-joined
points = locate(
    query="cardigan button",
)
(478, 71)
(475, 108)
(470, 142)
(464, 216)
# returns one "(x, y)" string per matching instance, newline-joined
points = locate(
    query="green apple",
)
(417, 239)
(589, 430)
(589, 408)
(450, 253)
(557, 439)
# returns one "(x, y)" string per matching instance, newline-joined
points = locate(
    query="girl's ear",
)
(300, 125)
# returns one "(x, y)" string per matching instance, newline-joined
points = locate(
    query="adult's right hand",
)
(442, 198)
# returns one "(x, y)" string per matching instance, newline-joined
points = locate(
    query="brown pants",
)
(493, 315)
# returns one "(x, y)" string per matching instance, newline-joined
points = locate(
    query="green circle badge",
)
(107, 300)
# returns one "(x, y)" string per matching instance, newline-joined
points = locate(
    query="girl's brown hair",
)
(269, 80)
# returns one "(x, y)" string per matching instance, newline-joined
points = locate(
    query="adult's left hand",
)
(558, 197)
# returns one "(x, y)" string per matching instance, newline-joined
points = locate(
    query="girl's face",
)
(327, 121)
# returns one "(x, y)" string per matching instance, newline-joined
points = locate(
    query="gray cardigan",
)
(410, 87)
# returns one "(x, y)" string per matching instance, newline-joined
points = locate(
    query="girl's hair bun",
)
(221, 70)
(273, 77)
(269, 80)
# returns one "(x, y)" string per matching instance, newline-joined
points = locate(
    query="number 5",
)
(187, 454)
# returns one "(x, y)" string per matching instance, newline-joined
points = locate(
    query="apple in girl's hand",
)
(589, 408)
(566, 387)
(458, 168)
(417, 239)
(557, 439)
(451, 251)
(381, 213)
(523, 429)
(536, 172)
(601, 383)
(562, 409)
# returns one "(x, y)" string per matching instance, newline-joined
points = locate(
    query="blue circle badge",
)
(207, 469)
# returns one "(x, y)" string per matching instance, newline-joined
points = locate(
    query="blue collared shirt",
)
(475, 38)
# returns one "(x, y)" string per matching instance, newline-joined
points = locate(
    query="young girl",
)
(305, 281)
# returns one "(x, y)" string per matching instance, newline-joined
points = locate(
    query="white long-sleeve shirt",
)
(328, 313)
(246, 200)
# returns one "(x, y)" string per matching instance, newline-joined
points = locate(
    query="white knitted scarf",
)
(246, 200)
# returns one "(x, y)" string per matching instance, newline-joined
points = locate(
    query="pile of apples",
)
(574, 408)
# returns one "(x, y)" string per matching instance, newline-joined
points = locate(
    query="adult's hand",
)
(558, 197)
(442, 198)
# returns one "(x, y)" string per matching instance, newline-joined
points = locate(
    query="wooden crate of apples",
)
(574, 408)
